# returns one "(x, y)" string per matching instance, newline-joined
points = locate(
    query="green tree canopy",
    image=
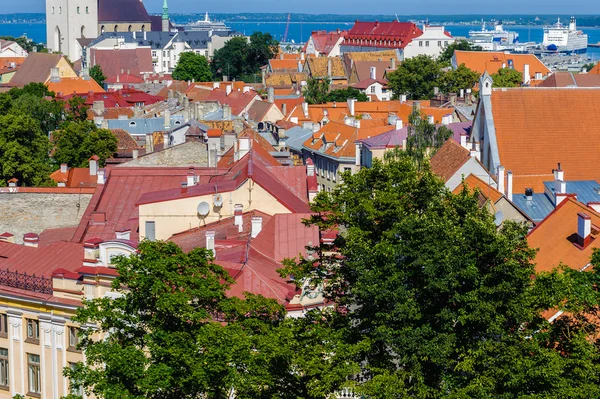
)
(342, 95)
(75, 142)
(97, 74)
(456, 79)
(263, 47)
(416, 77)
(316, 90)
(507, 77)
(27, 44)
(464, 45)
(192, 66)
(231, 60)
(424, 138)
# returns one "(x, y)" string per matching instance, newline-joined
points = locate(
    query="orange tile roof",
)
(318, 66)
(537, 128)
(74, 85)
(595, 70)
(481, 61)
(554, 237)
(214, 132)
(283, 65)
(473, 182)
(449, 159)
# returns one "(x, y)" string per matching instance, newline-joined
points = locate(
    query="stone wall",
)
(187, 154)
(22, 213)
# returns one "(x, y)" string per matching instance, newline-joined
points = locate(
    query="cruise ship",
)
(563, 39)
(207, 25)
(493, 37)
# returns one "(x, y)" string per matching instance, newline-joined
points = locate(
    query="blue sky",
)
(354, 6)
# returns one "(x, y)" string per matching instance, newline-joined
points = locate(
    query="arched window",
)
(87, 10)
(132, 124)
(78, 12)
(83, 32)
(129, 28)
(102, 29)
(116, 28)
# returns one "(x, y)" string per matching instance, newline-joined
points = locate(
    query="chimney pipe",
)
(463, 140)
(358, 155)
(101, 176)
(373, 73)
(509, 185)
(399, 124)
(584, 229)
(210, 242)
(238, 217)
(256, 226)
(31, 240)
(526, 75)
(93, 161)
(351, 103)
(64, 168)
(500, 176)
(271, 95)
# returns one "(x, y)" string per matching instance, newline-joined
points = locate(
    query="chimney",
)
(183, 188)
(560, 187)
(191, 178)
(134, 35)
(226, 112)
(446, 119)
(393, 63)
(167, 119)
(256, 226)
(538, 76)
(310, 168)
(93, 161)
(210, 242)
(305, 109)
(463, 140)
(228, 90)
(436, 91)
(135, 154)
(509, 185)
(500, 177)
(238, 217)
(54, 75)
(145, 36)
(299, 66)
(281, 57)
(431, 119)
(246, 89)
(7, 237)
(31, 240)
(85, 74)
(302, 56)
(328, 67)
(244, 144)
(526, 75)
(461, 93)
(123, 234)
(271, 95)
(351, 102)
(98, 106)
(64, 168)
(358, 155)
(166, 139)
(216, 85)
(101, 176)
(559, 174)
(373, 73)
(584, 229)
(402, 98)
(529, 194)
(399, 124)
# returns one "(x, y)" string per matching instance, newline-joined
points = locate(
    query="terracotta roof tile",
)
(448, 159)
(402, 31)
(318, 66)
(283, 65)
(35, 69)
(136, 61)
(74, 85)
(481, 61)
(324, 41)
(473, 182)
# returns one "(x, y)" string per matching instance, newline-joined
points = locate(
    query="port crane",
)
(287, 28)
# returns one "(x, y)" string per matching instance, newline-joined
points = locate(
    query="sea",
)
(300, 32)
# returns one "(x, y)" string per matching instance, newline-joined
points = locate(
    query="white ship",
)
(565, 39)
(493, 37)
(207, 24)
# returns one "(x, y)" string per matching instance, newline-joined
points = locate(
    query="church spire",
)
(165, 18)
(165, 10)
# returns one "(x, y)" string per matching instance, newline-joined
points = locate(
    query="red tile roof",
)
(122, 11)
(114, 62)
(119, 98)
(125, 78)
(325, 41)
(404, 32)
(481, 61)
(449, 159)
(40, 261)
(237, 100)
(74, 85)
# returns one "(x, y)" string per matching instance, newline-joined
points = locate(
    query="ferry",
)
(493, 36)
(565, 39)
(207, 24)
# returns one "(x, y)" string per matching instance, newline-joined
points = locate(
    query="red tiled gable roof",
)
(40, 261)
(117, 99)
(122, 11)
(125, 78)
(75, 178)
(595, 70)
(177, 86)
(481, 61)
(554, 237)
(537, 128)
(136, 61)
(449, 159)
(569, 79)
(74, 85)
(283, 65)
(404, 32)
(35, 69)
(258, 110)
(111, 113)
(237, 100)
(365, 84)
(325, 41)
(473, 182)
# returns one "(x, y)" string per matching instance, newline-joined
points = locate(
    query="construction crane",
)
(287, 28)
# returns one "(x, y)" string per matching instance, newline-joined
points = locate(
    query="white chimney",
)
(124, 234)
(302, 56)
(167, 119)
(463, 140)
(299, 66)
(509, 185)
(145, 37)
(246, 89)
(31, 240)
(538, 76)
(64, 168)
(228, 89)
(402, 98)
(256, 226)
(399, 124)
(133, 35)
(559, 174)
(374, 73)
(357, 157)
(560, 187)
(101, 177)
(351, 102)
(210, 242)
(526, 75)
(191, 178)
(584, 229)
(305, 109)
(329, 68)
(238, 217)
(244, 144)
(310, 169)
(271, 95)
(216, 85)
(462, 93)
(93, 165)
(500, 176)
(135, 154)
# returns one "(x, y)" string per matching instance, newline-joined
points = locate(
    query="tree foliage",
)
(75, 142)
(263, 47)
(441, 303)
(507, 77)
(464, 45)
(424, 138)
(456, 79)
(416, 77)
(97, 74)
(192, 67)
(28, 45)
(342, 95)
(317, 90)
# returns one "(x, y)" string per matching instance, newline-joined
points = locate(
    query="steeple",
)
(165, 17)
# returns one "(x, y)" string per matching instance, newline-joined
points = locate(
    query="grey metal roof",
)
(140, 126)
(588, 191)
(158, 40)
(537, 208)
(269, 137)
(217, 116)
(296, 137)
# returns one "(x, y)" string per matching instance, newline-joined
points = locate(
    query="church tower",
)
(165, 17)
(67, 21)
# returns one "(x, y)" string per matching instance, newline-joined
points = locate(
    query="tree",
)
(76, 110)
(588, 67)
(231, 60)
(23, 151)
(442, 302)
(97, 74)
(342, 95)
(263, 47)
(174, 333)
(317, 90)
(460, 78)
(424, 138)
(507, 77)
(75, 142)
(192, 66)
(27, 44)
(463, 45)
(416, 77)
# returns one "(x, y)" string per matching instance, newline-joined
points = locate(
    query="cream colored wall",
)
(65, 69)
(273, 115)
(176, 216)
(6, 77)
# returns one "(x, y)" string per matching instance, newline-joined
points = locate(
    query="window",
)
(372, 89)
(33, 331)
(116, 28)
(132, 123)
(52, 10)
(427, 43)
(150, 231)
(60, 10)
(78, 391)
(87, 10)
(3, 325)
(78, 12)
(33, 363)
(3, 368)
(73, 338)
(420, 44)
(440, 43)
(154, 54)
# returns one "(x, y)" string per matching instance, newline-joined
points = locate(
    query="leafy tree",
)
(588, 67)
(317, 90)
(23, 151)
(448, 53)
(416, 77)
(341, 95)
(97, 74)
(231, 60)
(39, 90)
(27, 44)
(192, 66)
(76, 109)
(441, 302)
(507, 77)
(424, 138)
(75, 142)
(47, 112)
(460, 78)
(173, 333)
(263, 47)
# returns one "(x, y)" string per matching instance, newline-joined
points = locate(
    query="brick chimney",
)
(584, 229)
(31, 240)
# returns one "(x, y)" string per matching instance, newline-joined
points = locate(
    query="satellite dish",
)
(498, 218)
(203, 208)
(218, 200)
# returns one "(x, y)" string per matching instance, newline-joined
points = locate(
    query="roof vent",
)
(529, 194)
